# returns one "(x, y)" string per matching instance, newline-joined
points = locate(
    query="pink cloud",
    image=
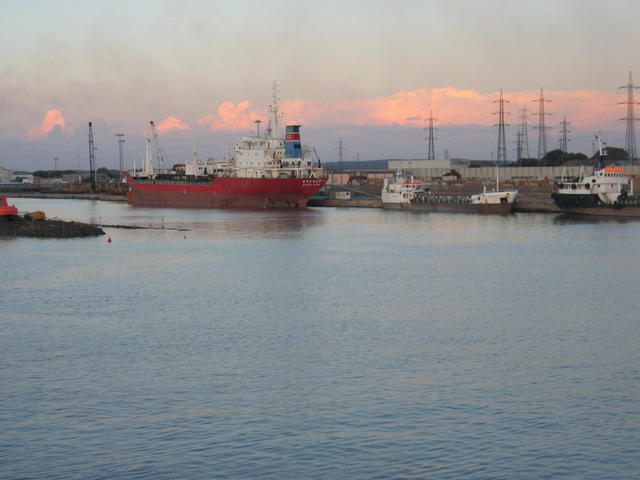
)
(172, 123)
(53, 118)
(232, 116)
(587, 109)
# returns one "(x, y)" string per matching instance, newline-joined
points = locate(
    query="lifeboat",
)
(6, 209)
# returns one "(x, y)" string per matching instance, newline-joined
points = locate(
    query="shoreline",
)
(107, 197)
(529, 205)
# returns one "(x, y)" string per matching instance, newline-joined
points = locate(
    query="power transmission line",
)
(431, 151)
(630, 137)
(524, 135)
(501, 156)
(564, 139)
(542, 128)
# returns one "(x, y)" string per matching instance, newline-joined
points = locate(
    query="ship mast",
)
(274, 111)
(601, 152)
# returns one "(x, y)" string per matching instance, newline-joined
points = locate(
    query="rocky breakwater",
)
(40, 227)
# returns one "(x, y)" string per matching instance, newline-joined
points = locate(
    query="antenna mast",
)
(431, 155)
(542, 128)
(630, 137)
(340, 162)
(502, 148)
(92, 159)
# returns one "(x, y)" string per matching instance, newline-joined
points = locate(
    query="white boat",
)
(405, 192)
(401, 190)
(608, 191)
(496, 196)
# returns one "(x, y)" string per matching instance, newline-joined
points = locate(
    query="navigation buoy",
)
(109, 240)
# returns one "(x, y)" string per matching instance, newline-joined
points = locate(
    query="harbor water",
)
(322, 343)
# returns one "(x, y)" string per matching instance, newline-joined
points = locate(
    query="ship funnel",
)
(292, 146)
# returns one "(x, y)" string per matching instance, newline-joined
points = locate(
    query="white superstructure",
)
(496, 196)
(489, 198)
(608, 183)
(401, 189)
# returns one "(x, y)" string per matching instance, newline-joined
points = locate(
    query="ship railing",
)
(172, 182)
(440, 199)
(630, 202)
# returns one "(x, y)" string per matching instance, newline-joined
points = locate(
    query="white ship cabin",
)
(608, 183)
(218, 167)
(259, 152)
(196, 169)
(264, 157)
(272, 156)
(401, 189)
(493, 198)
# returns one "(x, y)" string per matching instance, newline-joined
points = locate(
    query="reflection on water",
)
(213, 222)
(255, 224)
(568, 219)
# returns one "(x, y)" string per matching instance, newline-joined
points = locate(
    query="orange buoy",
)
(109, 240)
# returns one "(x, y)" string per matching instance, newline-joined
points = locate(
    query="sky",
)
(369, 72)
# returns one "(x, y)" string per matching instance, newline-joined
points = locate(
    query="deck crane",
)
(317, 156)
(156, 145)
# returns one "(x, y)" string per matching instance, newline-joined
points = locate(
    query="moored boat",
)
(405, 193)
(608, 191)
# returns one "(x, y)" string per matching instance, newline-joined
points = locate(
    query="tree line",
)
(557, 158)
(103, 171)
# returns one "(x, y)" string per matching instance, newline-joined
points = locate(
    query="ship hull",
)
(590, 204)
(224, 192)
(477, 208)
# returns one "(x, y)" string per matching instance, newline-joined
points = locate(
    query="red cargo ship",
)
(223, 192)
(265, 171)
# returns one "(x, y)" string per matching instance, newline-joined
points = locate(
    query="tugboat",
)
(607, 192)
